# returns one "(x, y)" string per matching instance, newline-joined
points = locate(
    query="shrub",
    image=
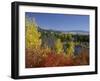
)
(53, 60)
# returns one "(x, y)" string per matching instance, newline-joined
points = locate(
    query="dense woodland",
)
(50, 48)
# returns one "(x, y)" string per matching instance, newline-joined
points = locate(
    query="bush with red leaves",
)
(56, 60)
(40, 58)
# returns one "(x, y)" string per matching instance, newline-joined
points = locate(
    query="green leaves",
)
(47, 48)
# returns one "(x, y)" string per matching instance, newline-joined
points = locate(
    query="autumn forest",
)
(53, 48)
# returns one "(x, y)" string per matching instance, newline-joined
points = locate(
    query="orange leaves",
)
(53, 60)
(37, 59)
(42, 58)
(49, 49)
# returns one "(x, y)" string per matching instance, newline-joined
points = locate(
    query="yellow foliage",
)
(32, 35)
(58, 46)
(70, 48)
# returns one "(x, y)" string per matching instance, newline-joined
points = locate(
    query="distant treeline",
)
(64, 36)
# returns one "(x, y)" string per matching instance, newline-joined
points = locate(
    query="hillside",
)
(74, 32)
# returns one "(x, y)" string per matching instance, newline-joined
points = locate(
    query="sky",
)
(61, 22)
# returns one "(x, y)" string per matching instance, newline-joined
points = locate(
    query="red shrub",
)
(56, 60)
